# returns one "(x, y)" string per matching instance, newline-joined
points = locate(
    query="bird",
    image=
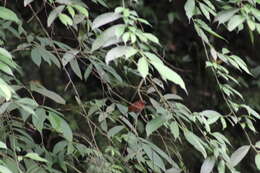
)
(137, 106)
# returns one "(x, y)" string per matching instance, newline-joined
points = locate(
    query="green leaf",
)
(36, 157)
(120, 51)
(251, 24)
(40, 52)
(126, 37)
(128, 123)
(55, 121)
(5, 53)
(153, 57)
(133, 38)
(221, 167)
(113, 131)
(36, 56)
(169, 74)
(4, 169)
(152, 38)
(256, 13)
(81, 9)
(250, 125)
(208, 29)
(224, 16)
(28, 102)
(100, 70)
(88, 71)
(105, 37)
(5, 90)
(120, 31)
(155, 124)
(105, 18)
(65, 19)
(172, 97)
(50, 94)
(161, 153)
(2, 145)
(207, 165)
(75, 67)
(112, 41)
(212, 116)
(204, 10)
(209, 4)
(27, 109)
(7, 14)
(71, 11)
(63, 1)
(221, 138)
(68, 56)
(5, 69)
(257, 144)
(238, 155)
(251, 111)
(38, 119)
(201, 34)
(4, 107)
(223, 122)
(173, 170)
(153, 156)
(257, 161)
(60, 125)
(54, 14)
(195, 142)
(240, 63)
(235, 21)
(189, 8)
(175, 129)
(26, 2)
(143, 67)
(27, 105)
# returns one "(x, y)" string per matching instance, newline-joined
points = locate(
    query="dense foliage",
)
(129, 86)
